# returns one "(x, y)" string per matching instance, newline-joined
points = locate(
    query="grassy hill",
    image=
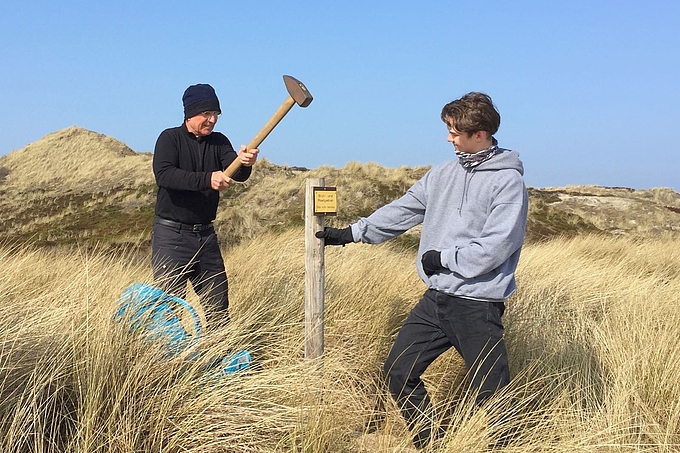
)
(78, 186)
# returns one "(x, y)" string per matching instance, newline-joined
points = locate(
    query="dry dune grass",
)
(592, 335)
(603, 312)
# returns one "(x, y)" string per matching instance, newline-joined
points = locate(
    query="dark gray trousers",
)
(436, 323)
(178, 256)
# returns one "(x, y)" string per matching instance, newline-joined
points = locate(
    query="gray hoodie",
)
(476, 218)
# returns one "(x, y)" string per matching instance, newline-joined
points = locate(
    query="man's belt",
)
(184, 226)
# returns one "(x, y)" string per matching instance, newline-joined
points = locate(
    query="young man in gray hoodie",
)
(473, 211)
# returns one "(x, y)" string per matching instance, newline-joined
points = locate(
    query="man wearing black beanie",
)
(188, 164)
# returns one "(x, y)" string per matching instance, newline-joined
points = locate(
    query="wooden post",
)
(314, 274)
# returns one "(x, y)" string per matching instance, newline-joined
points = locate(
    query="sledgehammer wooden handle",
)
(259, 138)
(297, 94)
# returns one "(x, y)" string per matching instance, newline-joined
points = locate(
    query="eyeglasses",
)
(210, 114)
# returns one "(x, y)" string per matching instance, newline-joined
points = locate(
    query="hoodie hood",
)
(505, 160)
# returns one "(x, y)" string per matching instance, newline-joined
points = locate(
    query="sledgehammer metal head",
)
(298, 91)
(297, 94)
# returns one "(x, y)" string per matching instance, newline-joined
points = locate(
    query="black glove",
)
(432, 262)
(336, 236)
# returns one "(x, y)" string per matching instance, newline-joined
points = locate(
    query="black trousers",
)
(436, 323)
(178, 256)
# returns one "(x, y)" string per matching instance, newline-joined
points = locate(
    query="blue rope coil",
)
(153, 312)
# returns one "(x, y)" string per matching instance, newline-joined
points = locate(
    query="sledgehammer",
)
(297, 94)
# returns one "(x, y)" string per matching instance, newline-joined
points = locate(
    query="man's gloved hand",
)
(336, 236)
(432, 262)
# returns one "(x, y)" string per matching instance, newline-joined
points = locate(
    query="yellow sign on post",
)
(325, 201)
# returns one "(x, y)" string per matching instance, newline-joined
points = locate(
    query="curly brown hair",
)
(472, 113)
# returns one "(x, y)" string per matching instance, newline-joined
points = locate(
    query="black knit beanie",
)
(200, 98)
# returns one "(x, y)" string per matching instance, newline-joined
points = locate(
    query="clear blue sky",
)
(587, 90)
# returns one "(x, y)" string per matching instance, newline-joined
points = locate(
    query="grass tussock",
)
(591, 332)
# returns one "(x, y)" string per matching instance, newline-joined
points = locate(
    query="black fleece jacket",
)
(183, 165)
